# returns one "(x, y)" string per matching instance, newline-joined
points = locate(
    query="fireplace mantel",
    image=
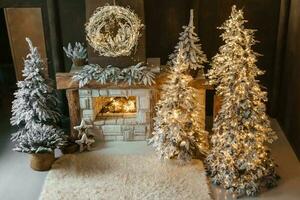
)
(64, 82)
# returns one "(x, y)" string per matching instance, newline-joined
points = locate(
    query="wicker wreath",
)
(113, 31)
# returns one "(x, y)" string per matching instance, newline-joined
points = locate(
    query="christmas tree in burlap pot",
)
(35, 109)
(240, 159)
(177, 129)
(189, 44)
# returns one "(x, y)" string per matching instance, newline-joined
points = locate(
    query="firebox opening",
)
(114, 106)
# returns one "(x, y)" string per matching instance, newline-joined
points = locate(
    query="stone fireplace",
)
(118, 114)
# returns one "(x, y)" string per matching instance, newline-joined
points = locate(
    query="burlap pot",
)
(42, 161)
(79, 62)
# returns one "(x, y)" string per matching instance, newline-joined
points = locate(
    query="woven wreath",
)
(113, 31)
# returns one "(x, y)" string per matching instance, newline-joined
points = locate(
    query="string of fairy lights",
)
(113, 31)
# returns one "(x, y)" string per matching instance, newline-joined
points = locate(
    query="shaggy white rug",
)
(96, 176)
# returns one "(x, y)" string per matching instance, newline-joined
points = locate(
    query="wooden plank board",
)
(74, 112)
(217, 105)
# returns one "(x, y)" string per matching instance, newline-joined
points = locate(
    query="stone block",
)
(139, 137)
(87, 112)
(117, 92)
(138, 133)
(130, 120)
(127, 128)
(84, 93)
(144, 102)
(99, 122)
(128, 135)
(140, 92)
(88, 103)
(82, 103)
(85, 103)
(109, 137)
(95, 93)
(120, 121)
(142, 117)
(111, 129)
(110, 121)
(87, 117)
(140, 129)
(103, 92)
(120, 138)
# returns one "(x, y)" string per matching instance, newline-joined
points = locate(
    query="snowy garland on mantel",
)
(113, 31)
(135, 74)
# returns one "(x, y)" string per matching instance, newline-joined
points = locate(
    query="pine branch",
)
(135, 74)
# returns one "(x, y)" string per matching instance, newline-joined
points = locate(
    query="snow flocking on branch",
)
(189, 44)
(240, 159)
(177, 130)
(76, 52)
(135, 74)
(35, 105)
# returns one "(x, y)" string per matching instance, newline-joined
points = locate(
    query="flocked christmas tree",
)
(177, 128)
(240, 159)
(189, 44)
(35, 109)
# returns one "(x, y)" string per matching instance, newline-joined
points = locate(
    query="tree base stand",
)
(70, 148)
(42, 161)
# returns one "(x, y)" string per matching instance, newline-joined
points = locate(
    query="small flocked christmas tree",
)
(177, 129)
(189, 44)
(240, 160)
(35, 109)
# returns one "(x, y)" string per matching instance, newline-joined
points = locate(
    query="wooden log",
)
(202, 99)
(74, 111)
(217, 105)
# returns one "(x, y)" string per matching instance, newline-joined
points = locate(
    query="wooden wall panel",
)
(21, 23)
(71, 25)
(289, 91)
(164, 23)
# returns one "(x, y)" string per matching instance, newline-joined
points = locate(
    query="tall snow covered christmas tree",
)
(177, 130)
(189, 44)
(35, 109)
(240, 159)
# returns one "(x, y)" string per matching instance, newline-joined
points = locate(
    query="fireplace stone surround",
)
(123, 127)
(138, 127)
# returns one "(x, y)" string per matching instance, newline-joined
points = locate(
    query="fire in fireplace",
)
(118, 114)
(114, 106)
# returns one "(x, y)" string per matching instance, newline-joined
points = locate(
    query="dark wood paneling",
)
(50, 22)
(72, 20)
(279, 57)
(22, 23)
(289, 95)
(5, 55)
(164, 23)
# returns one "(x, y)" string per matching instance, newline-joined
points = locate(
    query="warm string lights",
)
(240, 160)
(177, 132)
(113, 31)
(117, 105)
(189, 44)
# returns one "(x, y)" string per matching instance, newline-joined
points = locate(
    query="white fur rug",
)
(96, 176)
